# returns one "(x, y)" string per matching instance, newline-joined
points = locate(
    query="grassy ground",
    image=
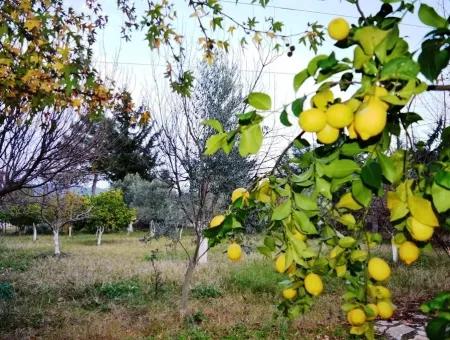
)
(114, 292)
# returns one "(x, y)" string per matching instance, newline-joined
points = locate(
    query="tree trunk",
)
(394, 252)
(130, 228)
(202, 257)
(94, 184)
(34, 233)
(187, 286)
(99, 235)
(56, 241)
(70, 230)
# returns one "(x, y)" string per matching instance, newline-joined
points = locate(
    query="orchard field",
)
(114, 292)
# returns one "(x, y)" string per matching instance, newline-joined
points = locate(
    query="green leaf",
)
(284, 118)
(214, 123)
(305, 202)
(340, 168)
(251, 140)
(312, 65)
(361, 193)
(369, 37)
(403, 68)
(441, 197)
(443, 178)
(214, 143)
(347, 242)
(297, 106)
(247, 118)
(432, 59)
(387, 167)
(371, 175)
(429, 17)
(303, 221)
(323, 187)
(359, 58)
(351, 149)
(437, 329)
(282, 211)
(327, 63)
(300, 78)
(259, 100)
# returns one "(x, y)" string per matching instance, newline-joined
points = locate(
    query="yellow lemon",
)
(356, 317)
(313, 284)
(289, 293)
(379, 269)
(408, 252)
(380, 91)
(216, 221)
(351, 131)
(382, 292)
(419, 231)
(353, 104)
(238, 193)
(312, 120)
(373, 307)
(322, 99)
(280, 263)
(370, 119)
(299, 236)
(234, 252)
(385, 309)
(347, 201)
(339, 115)
(338, 29)
(328, 134)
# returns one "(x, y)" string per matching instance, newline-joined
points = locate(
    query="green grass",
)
(109, 292)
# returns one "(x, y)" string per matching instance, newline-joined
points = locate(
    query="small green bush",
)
(120, 289)
(6, 291)
(205, 291)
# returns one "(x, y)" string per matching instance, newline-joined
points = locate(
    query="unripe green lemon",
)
(356, 317)
(313, 284)
(385, 309)
(280, 263)
(234, 252)
(216, 221)
(328, 134)
(289, 293)
(339, 115)
(373, 307)
(379, 269)
(312, 120)
(408, 252)
(338, 29)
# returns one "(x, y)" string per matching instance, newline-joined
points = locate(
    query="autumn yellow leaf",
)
(422, 211)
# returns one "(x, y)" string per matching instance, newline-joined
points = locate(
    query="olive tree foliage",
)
(202, 183)
(153, 201)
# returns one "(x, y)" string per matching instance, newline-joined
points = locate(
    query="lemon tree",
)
(317, 215)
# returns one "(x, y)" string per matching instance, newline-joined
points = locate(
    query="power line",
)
(311, 11)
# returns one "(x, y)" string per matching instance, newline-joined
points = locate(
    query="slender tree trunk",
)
(94, 184)
(56, 241)
(130, 228)
(394, 252)
(34, 233)
(99, 235)
(187, 286)
(70, 230)
(202, 257)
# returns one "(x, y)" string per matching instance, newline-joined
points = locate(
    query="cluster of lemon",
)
(364, 119)
(326, 118)
(420, 222)
(313, 283)
(380, 297)
(234, 251)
